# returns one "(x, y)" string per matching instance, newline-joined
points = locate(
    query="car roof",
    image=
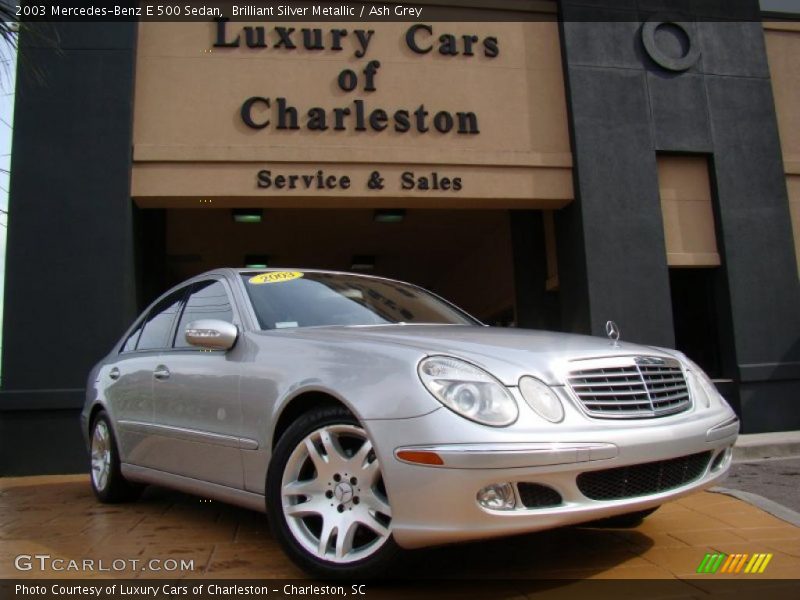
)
(234, 271)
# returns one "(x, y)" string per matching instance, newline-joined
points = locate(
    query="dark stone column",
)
(616, 268)
(536, 308)
(624, 108)
(754, 228)
(70, 284)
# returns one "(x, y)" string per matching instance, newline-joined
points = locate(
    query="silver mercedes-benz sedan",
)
(366, 415)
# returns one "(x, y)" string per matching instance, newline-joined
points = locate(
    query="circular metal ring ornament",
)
(685, 62)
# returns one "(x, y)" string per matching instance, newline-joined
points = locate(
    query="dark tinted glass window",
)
(130, 343)
(159, 322)
(208, 300)
(287, 299)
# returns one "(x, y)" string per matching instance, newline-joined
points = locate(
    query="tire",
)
(325, 461)
(627, 520)
(107, 481)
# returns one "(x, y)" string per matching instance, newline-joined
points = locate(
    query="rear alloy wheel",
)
(326, 498)
(107, 481)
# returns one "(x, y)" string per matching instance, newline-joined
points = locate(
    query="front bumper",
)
(438, 504)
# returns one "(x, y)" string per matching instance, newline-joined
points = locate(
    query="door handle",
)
(161, 372)
(114, 373)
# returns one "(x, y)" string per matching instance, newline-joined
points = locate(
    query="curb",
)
(760, 446)
(765, 504)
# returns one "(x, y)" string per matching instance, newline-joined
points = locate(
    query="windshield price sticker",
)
(274, 277)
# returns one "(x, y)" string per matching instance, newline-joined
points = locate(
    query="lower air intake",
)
(535, 495)
(643, 479)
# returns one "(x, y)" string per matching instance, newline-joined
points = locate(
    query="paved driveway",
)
(58, 516)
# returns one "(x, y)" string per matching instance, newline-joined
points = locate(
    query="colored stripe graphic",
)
(759, 560)
(740, 564)
(734, 563)
(728, 563)
(704, 564)
(711, 563)
(717, 563)
(764, 564)
(753, 561)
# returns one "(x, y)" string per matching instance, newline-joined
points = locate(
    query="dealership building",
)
(541, 165)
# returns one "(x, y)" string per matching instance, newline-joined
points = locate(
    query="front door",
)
(197, 397)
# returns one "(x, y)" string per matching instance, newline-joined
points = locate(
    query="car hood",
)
(506, 353)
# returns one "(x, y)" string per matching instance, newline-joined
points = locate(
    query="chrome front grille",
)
(630, 387)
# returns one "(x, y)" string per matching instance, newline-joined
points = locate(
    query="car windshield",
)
(288, 299)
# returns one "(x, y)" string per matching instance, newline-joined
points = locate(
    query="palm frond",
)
(9, 26)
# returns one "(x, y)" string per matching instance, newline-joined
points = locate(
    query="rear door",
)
(130, 380)
(197, 396)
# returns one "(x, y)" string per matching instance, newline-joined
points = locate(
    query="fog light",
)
(498, 496)
(721, 459)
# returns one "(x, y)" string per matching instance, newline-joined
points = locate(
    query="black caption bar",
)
(363, 11)
(542, 589)
(287, 10)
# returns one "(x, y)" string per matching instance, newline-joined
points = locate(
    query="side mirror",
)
(212, 334)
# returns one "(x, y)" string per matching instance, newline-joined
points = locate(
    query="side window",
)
(207, 300)
(158, 325)
(130, 343)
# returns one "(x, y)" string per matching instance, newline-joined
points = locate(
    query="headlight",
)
(541, 399)
(468, 391)
(698, 390)
(701, 384)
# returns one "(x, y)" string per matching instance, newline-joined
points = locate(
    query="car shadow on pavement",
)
(63, 518)
(564, 553)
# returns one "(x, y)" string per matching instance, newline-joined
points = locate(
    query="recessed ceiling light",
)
(389, 215)
(256, 261)
(247, 215)
(362, 262)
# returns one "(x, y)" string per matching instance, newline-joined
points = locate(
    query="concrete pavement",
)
(755, 446)
(58, 516)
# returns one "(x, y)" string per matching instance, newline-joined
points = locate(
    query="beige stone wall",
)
(191, 145)
(688, 214)
(783, 51)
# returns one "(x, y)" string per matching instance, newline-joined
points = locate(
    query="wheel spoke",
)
(320, 462)
(311, 487)
(359, 459)
(101, 483)
(304, 509)
(346, 532)
(377, 504)
(375, 525)
(325, 536)
(332, 448)
(370, 472)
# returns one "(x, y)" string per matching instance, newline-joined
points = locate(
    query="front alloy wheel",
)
(327, 499)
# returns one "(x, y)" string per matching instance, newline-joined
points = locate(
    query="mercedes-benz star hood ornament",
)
(612, 331)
